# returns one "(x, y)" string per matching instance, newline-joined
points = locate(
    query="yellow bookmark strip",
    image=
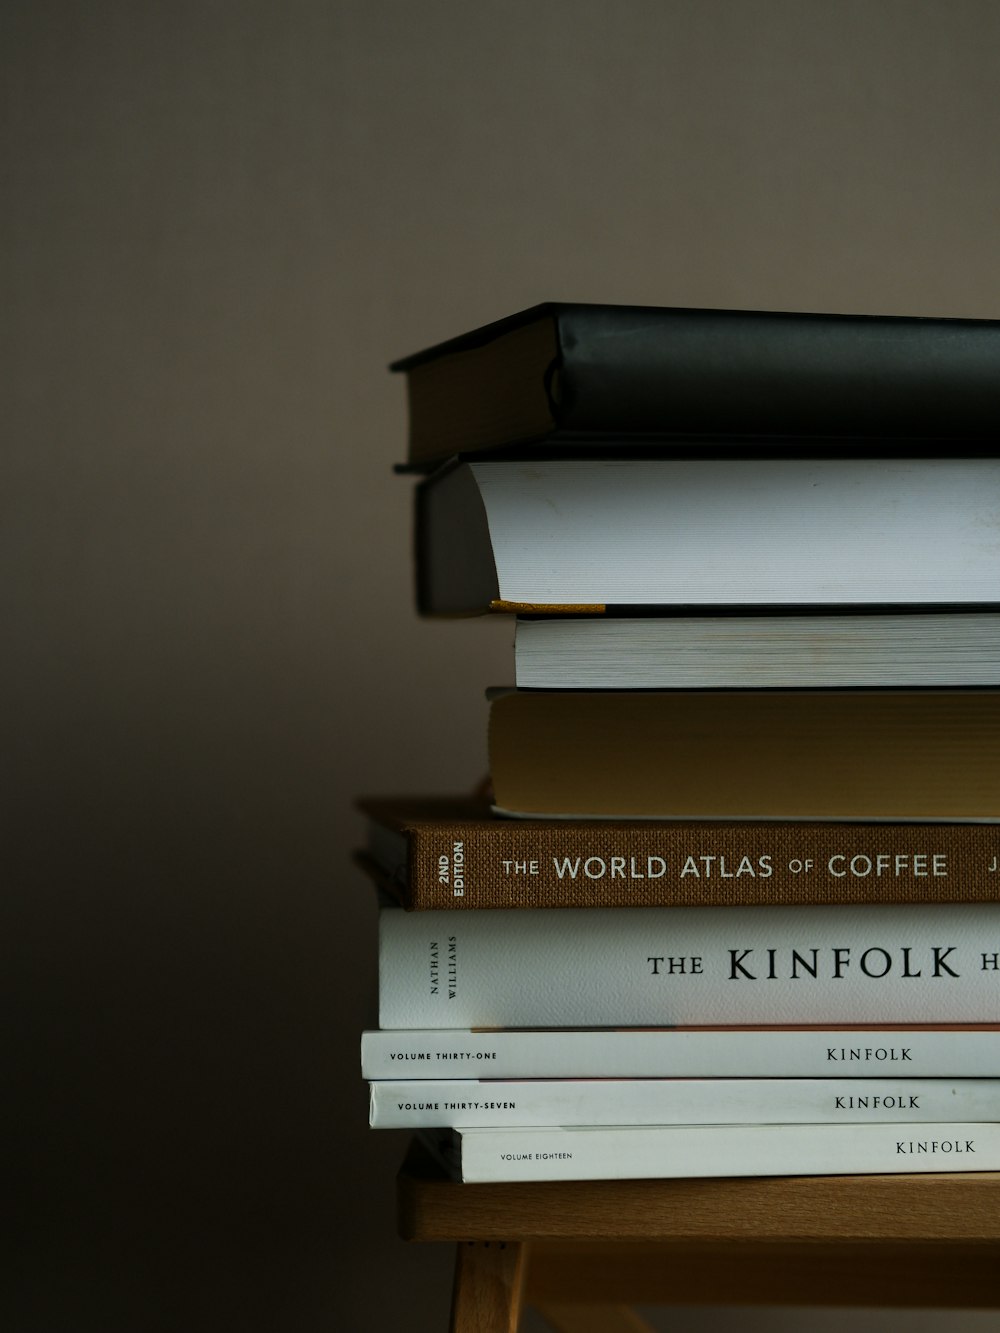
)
(549, 609)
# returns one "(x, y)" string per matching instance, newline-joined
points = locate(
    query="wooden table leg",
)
(489, 1280)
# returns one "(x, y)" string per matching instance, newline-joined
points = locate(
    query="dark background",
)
(219, 222)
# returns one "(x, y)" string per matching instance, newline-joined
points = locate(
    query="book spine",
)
(661, 1152)
(529, 1103)
(809, 1052)
(580, 967)
(700, 371)
(528, 863)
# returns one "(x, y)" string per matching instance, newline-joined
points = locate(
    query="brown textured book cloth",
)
(455, 853)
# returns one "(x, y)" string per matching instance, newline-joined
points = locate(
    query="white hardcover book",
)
(664, 1151)
(661, 532)
(531, 1103)
(698, 1052)
(658, 967)
(758, 651)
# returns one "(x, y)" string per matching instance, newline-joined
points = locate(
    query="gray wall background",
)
(219, 223)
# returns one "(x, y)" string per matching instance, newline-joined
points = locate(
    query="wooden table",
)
(583, 1252)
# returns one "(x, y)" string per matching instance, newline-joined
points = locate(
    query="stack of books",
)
(732, 904)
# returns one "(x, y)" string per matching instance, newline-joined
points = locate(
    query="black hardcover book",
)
(578, 377)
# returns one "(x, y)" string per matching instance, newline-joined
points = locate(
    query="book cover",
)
(870, 1052)
(853, 755)
(675, 1151)
(652, 966)
(455, 854)
(565, 374)
(472, 1103)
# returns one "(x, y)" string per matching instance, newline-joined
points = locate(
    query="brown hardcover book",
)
(456, 854)
(568, 376)
(748, 754)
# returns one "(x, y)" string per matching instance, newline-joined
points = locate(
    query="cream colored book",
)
(669, 1151)
(529, 1103)
(872, 1052)
(661, 966)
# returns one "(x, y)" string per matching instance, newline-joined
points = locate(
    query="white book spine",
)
(726, 1150)
(635, 967)
(530, 1103)
(683, 1053)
